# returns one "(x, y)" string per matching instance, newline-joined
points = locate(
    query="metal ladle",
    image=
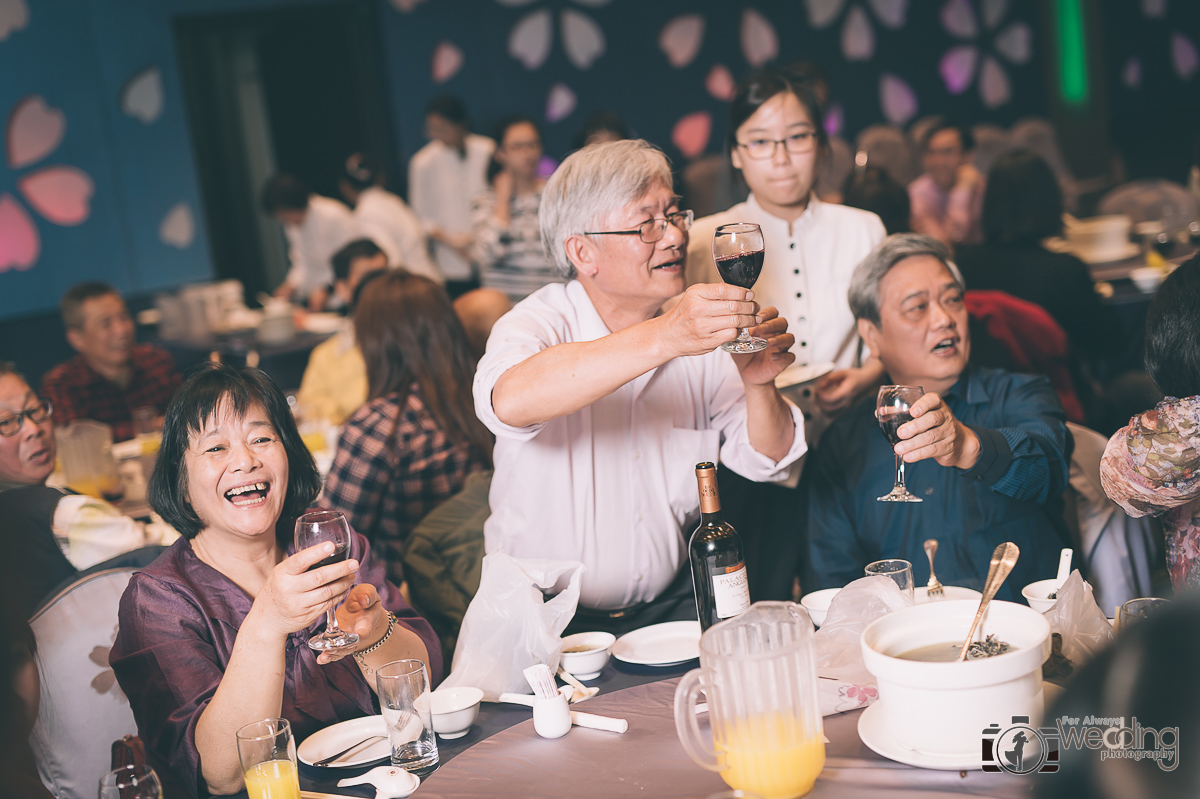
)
(1003, 560)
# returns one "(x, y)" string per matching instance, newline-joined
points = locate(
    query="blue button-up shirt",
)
(1013, 493)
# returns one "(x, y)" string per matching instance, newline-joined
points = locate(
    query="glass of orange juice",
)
(268, 754)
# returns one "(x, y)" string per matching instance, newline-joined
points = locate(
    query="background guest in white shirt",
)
(386, 219)
(443, 177)
(316, 228)
(599, 421)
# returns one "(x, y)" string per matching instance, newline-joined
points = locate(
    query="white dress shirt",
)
(441, 185)
(612, 485)
(389, 222)
(328, 226)
(806, 275)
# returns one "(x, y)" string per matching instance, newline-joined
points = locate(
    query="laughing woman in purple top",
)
(213, 635)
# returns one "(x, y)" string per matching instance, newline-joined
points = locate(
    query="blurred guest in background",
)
(947, 200)
(414, 442)
(113, 375)
(986, 450)
(335, 381)
(443, 177)
(873, 189)
(316, 227)
(386, 219)
(600, 127)
(20, 695)
(507, 240)
(479, 310)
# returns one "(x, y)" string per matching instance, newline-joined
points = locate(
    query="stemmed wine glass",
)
(316, 528)
(738, 250)
(130, 782)
(891, 409)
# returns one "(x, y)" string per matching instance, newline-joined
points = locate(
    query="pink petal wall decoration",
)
(680, 39)
(1154, 9)
(34, 131)
(529, 41)
(514, 3)
(1016, 43)
(957, 67)
(14, 15)
(898, 100)
(62, 194)
(720, 83)
(406, 6)
(822, 13)
(582, 38)
(19, 242)
(178, 227)
(1131, 75)
(1183, 56)
(958, 18)
(993, 84)
(593, 3)
(834, 118)
(858, 40)
(560, 102)
(691, 133)
(447, 61)
(993, 12)
(758, 39)
(890, 12)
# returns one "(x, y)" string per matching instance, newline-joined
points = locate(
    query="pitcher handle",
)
(685, 721)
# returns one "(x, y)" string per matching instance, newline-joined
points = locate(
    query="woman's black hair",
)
(360, 172)
(498, 133)
(938, 124)
(765, 84)
(874, 190)
(1173, 332)
(209, 389)
(1022, 203)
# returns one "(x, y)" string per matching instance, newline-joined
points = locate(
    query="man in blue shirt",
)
(987, 451)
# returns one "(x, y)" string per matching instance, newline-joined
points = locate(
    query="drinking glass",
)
(1137, 609)
(738, 250)
(891, 409)
(404, 701)
(130, 782)
(267, 752)
(900, 571)
(317, 528)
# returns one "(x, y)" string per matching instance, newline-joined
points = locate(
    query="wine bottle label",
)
(731, 590)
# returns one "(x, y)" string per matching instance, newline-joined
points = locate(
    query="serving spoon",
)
(1003, 560)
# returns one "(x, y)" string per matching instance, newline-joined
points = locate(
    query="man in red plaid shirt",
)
(112, 376)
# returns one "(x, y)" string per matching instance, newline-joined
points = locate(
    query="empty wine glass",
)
(130, 782)
(317, 528)
(738, 250)
(892, 410)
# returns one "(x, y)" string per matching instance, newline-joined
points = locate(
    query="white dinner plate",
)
(323, 322)
(921, 594)
(666, 644)
(796, 374)
(334, 739)
(877, 738)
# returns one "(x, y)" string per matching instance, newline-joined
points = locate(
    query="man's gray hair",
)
(864, 284)
(593, 183)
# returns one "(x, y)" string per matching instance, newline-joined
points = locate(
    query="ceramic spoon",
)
(1064, 568)
(1003, 560)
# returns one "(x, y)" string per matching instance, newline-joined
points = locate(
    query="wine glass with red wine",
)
(317, 528)
(892, 410)
(738, 250)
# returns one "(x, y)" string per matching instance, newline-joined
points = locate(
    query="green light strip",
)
(1072, 53)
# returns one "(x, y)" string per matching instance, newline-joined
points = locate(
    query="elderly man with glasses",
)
(603, 403)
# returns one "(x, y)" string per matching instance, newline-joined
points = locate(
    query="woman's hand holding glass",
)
(294, 597)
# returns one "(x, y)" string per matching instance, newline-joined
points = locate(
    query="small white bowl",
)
(592, 655)
(1037, 595)
(1146, 278)
(454, 710)
(817, 604)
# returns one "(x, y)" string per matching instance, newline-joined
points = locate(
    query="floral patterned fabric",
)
(1152, 466)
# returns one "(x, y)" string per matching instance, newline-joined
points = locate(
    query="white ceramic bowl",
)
(1038, 594)
(454, 710)
(1100, 236)
(587, 663)
(941, 708)
(817, 604)
(1146, 278)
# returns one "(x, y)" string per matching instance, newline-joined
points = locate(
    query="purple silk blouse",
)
(178, 621)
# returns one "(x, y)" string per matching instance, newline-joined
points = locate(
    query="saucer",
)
(876, 737)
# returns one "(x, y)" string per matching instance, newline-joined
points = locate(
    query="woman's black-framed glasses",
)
(796, 144)
(11, 425)
(651, 230)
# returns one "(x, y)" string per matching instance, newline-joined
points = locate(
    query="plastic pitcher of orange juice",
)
(758, 673)
(87, 458)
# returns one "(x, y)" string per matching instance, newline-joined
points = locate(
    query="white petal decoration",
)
(958, 19)
(858, 40)
(993, 12)
(890, 12)
(835, 117)
(406, 6)
(1154, 9)
(993, 84)
(582, 38)
(897, 99)
(1131, 75)
(691, 133)
(720, 83)
(1183, 56)
(34, 130)
(759, 42)
(529, 41)
(1016, 43)
(14, 15)
(822, 13)
(447, 61)
(680, 39)
(957, 67)
(559, 103)
(514, 3)
(142, 97)
(178, 227)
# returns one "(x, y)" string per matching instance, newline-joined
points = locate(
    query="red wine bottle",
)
(715, 552)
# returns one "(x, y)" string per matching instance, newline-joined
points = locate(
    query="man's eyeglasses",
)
(11, 425)
(796, 144)
(652, 230)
